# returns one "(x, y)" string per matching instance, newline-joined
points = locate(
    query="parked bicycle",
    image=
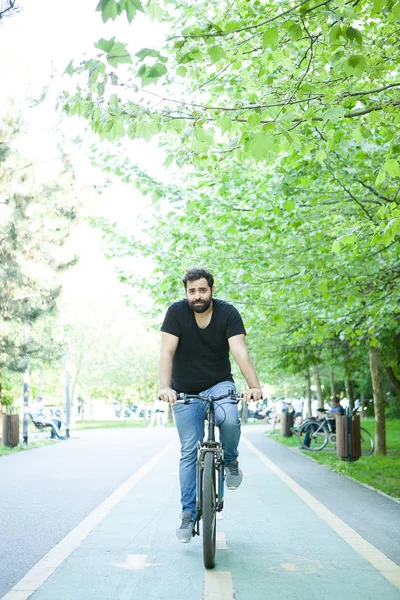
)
(210, 476)
(314, 435)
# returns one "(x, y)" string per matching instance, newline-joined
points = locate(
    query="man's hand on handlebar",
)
(254, 394)
(167, 395)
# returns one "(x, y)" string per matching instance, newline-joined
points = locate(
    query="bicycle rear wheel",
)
(313, 436)
(209, 510)
(367, 442)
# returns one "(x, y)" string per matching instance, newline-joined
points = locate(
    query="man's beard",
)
(201, 306)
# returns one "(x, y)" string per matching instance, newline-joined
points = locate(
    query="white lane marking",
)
(375, 557)
(218, 585)
(36, 577)
(221, 541)
(135, 562)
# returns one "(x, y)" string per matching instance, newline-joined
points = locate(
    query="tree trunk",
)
(332, 383)
(245, 412)
(393, 379)
(170, 417)
(348, 384)
(379, 400)
(317, 382)
(308, 394)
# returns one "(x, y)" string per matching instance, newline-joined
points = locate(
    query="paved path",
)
(290, 530)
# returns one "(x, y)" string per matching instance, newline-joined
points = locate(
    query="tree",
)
(283, 122)
(7, 7)
(36, 217)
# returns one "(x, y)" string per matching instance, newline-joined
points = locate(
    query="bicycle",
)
(210, 476)
(320, 433)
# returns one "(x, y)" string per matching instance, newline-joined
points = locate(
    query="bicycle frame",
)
(209, 445)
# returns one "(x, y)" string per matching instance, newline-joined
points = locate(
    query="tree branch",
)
(377, 194)
(249, 27)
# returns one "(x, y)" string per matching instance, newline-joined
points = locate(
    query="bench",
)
(44, 424)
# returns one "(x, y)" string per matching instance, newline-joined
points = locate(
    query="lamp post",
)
(26, 386)
(67, 390)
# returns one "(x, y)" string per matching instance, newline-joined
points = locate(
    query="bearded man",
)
(198, 333)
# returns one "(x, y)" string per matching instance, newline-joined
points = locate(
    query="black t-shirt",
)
(202, 357)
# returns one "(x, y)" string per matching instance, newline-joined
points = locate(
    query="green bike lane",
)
(272, 544)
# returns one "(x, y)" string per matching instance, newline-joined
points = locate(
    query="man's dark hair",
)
(196, 273)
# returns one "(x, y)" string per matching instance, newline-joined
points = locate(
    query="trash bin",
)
(287, 420)
(348, 437)
(10, 430)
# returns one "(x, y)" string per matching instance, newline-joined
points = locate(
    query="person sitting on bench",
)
(43, 417)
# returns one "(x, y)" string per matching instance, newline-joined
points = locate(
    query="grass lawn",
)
(36, 443)
(381, 472)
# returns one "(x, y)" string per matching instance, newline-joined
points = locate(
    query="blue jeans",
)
(189, 419)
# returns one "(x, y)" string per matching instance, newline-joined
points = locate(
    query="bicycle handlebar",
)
(185, 398)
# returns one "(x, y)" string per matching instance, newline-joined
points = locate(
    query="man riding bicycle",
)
(198, 333)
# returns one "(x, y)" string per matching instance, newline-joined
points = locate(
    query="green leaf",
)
(289, 205)
(181, 71)
(270, 38)
(323, 286)
(392, 167)
(202, 138)
(355, 65)
(153, 10)
(232, 25)
(116, 51)
(294, 30)
(169, 160)
(216, 53)
(334, 114)
(260, 146)
(69, 69)
(254, 119)
(335, 33)
(113, 130)
(119, 55)
(109, 10)
(224, 122)
(151, 74)
(381, 177)
(354, 35)
(95, 68)
(396, 11)
(146, 130)
(145, 52)
(131, 7)
(105, 45)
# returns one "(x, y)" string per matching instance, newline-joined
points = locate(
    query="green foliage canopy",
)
(283, 119)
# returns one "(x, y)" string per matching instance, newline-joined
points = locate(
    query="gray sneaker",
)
(234, 475)
(185, 531)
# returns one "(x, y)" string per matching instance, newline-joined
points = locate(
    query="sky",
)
(39, 42)
(36, 44)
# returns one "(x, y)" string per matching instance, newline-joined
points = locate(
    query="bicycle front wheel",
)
(209, 509)
(367, 442)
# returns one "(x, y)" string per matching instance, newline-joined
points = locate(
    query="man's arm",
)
(237, 346)
(169, 344)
